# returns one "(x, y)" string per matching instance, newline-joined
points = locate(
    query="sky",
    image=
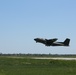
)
(23, 20)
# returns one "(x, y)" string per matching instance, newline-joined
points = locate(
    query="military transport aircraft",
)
(52, 42)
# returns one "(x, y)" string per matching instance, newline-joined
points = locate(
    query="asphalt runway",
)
(56, 58)
(53, 58)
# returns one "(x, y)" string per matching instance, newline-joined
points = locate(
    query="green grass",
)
(27, 66)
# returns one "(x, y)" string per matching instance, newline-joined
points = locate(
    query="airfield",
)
(37, 65)
(56, 57)
(43, 57)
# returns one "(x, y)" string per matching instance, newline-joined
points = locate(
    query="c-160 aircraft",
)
(52, 42)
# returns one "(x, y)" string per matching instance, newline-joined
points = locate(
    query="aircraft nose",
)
(35, 39)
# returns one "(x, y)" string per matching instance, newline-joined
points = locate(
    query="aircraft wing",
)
(49, 42)
(53, 40)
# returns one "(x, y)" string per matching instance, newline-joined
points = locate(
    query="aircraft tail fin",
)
(66, 42)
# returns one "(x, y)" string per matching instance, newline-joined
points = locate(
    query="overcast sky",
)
(23, 20)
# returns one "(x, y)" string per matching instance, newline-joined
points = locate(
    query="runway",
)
(55, 58)
(52, 58)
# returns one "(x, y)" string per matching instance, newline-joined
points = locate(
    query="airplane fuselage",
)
(52, 42)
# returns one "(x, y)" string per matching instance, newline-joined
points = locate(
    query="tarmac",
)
(54, 58)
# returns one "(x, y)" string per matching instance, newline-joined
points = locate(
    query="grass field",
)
(27, 66)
